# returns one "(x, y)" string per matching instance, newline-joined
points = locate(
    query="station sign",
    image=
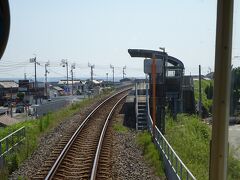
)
(148, 66)
(22, 89)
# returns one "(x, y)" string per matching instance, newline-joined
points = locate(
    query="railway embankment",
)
(41, 136)
(190, 138)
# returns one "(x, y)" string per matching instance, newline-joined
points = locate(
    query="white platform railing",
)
(175, 168)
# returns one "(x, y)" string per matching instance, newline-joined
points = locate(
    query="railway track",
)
(78, 158)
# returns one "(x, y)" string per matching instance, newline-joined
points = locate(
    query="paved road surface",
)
(234, 138)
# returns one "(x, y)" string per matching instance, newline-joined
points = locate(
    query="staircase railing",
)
(136, 104)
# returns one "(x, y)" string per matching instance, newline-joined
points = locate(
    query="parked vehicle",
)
(20, 104)
(31, 111)
(6, 104)
(19, 109)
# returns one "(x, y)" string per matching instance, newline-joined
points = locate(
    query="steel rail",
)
(74, 136)
(99, 147)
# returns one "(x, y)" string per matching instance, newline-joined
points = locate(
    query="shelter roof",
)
(158, 55)
(8, 84)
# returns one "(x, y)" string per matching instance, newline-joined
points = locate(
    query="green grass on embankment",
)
(190, 138)
(119, 127)
(35, 129)
(206, 102)
(151, 153)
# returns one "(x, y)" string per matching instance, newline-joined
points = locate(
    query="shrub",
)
(209, 91)
(190, 138)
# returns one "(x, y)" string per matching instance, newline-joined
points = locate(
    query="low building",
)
(55, 91)
(8, 90)
(30, 93)
(210, 75)
(75, 86)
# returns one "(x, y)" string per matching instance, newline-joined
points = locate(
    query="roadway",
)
(234, 138)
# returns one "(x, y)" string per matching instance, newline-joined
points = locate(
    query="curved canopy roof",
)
(158, 54)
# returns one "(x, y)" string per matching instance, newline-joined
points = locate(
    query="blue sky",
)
(100, 32)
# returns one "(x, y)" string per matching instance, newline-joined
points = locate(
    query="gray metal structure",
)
(170, 89)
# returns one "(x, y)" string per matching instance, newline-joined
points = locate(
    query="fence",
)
(175, 168)
(136, 104)
(9, 142)
(50, 107)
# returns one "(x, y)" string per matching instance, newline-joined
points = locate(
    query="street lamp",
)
(34, 60)
(46, 72)
(107, 76)
(72, 67)
(64, 63)
(92, 66)
(112, 67)
(162, 48)
(124, 68)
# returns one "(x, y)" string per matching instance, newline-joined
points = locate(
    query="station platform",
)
(130, 104)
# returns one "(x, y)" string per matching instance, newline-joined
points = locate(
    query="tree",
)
(20, 96)
(209, 91)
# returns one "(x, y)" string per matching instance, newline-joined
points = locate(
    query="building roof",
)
(210, 75)
(126, 79)
(96, 81)
(61, 82)
(57, 88)
(8, 84)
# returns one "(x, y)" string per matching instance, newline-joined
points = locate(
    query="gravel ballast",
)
(127, 157)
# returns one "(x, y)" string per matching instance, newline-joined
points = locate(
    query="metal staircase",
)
(142, 116)
(140, 109)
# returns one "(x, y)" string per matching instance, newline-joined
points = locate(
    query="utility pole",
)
(25, 76)
(46, 72)
(221, 99)
(34, 60)
(200, 93)
(107, 78)
(159, 106)
(92, 67)
(64, 63)
(72, 67)
(112, 67)
(11, 111)
(124, 67)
